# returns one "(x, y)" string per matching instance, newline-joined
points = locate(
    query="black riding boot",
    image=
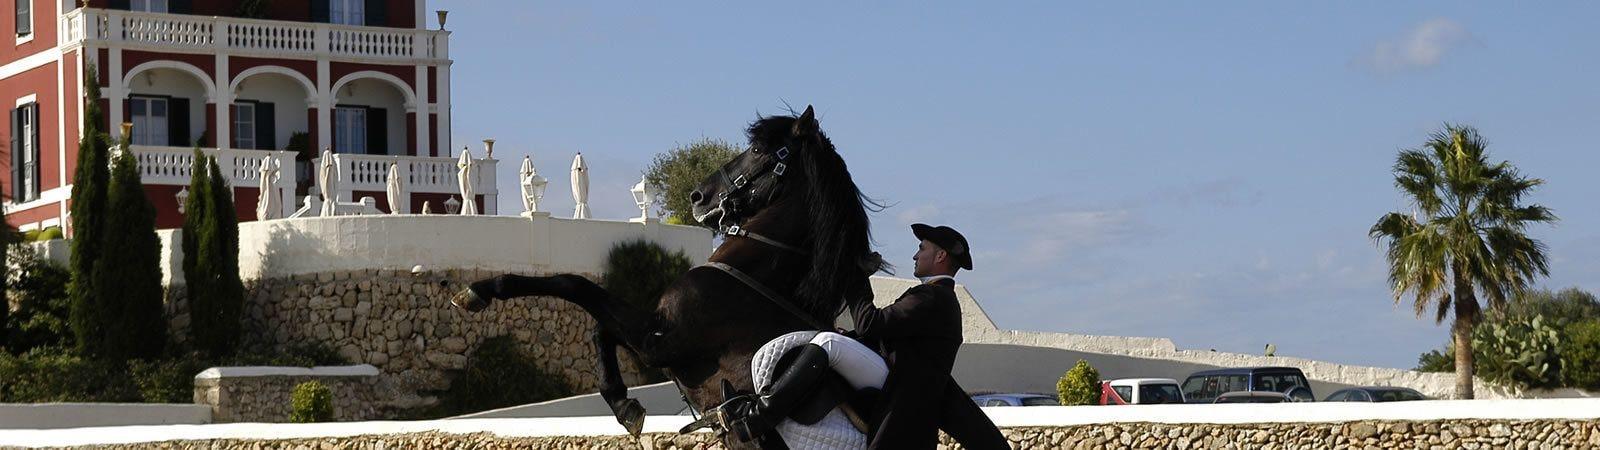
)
(787, 392)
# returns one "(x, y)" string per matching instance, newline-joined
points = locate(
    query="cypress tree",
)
(88, 204)
(195, 270)
(127, 275)
(218, 253)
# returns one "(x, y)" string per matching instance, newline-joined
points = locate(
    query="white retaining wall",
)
(76, 415)
(287, 247)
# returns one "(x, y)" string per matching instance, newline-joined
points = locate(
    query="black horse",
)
(794, 220)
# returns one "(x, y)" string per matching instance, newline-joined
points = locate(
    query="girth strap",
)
(777, 299)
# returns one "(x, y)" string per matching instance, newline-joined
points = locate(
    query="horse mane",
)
(840, 232)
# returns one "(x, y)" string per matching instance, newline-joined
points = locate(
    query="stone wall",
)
(264, 394)
(1441, 434)
(406, 327)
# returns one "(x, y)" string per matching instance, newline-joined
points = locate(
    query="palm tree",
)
(1465, 236)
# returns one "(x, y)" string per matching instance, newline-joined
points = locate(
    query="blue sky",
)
(1200, 171)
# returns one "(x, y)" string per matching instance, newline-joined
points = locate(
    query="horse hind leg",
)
(613, 389)
(615, 320)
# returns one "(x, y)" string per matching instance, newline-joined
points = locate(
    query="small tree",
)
(221, 250)
(678, 171)
(88, 206)
(311, 402)
(1079, 386)
(195, 269)
(129, 271)
(211, 260)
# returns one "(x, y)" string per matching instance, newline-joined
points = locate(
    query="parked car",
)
(1206, 385)
(1376, 394)
(1253, 397)
(1140, 391)
(1015, 400)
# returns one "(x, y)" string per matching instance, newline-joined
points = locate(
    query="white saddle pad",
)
(832, 432)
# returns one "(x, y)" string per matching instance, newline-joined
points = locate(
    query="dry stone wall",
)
(406, 327)
(267, 398)
(1444, 434)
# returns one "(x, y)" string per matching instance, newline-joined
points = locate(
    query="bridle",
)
(741, 192)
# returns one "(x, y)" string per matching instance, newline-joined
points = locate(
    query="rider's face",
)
(929, 260)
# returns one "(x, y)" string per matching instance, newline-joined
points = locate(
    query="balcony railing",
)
(157, 31)
(172, 166)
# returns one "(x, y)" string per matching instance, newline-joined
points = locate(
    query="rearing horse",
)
(794, 220)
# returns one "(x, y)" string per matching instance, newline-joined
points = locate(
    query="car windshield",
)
(1040, 401)
(1279, 382)
(1159, 393)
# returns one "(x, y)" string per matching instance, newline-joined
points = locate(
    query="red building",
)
(238, 78)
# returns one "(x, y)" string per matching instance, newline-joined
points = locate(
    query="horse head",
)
(791, 170)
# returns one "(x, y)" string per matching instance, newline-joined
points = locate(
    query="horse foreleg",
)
(613, 390)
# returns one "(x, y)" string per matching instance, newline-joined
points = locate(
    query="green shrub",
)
(1079, 386)
(498, 374)
(167, 380)
(1580, 355)
(39, 287)
(679, 170)
(639, 271)
(52, 374)
(1438, 361)
(311, 402)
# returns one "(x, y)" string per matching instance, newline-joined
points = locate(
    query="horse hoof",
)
(631, 415)
(470, 301)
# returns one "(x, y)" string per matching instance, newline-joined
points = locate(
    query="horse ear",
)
(807, 125)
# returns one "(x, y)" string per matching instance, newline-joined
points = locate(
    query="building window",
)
(244, 125)
(24, 17)
(347, 12)
(350, 130)
(149, 120)
(25, 153)
(155, 6)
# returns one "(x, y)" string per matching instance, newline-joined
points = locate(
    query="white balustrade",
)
(249, 36)
(171, 166)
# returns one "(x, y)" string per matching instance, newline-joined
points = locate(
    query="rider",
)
(919, 334)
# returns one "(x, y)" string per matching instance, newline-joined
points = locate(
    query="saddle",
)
(829, 393)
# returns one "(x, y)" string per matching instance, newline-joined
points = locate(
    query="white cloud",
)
(918, 214)
(1423, 46)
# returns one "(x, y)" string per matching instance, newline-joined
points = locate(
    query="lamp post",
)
(532, 186)
(452, 206)
(644, 195)
(183, 198)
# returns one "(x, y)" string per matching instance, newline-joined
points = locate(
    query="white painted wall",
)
(15, 416)
(378, 94)
(289, 103)
(175, 83)
(288, 247)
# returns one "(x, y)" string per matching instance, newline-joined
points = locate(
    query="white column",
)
(224, 101)
(116, 94)
(444, 107)
(286, 179)
(324, 107)
(423, 110)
